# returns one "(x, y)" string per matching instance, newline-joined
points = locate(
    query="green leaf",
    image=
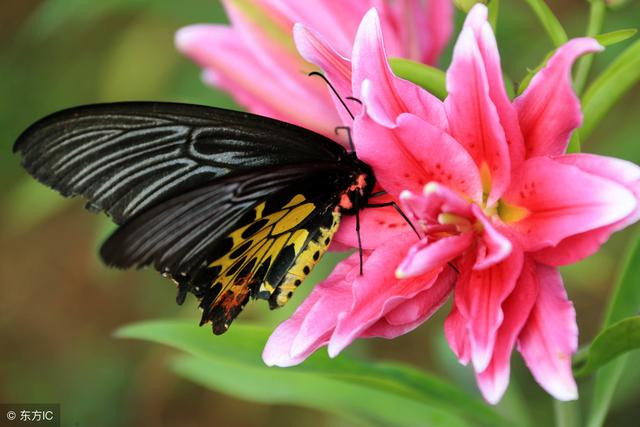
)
(574, 143)
(550, 23)
(389, 393)
(614, 341)
(430, 78)
(596, 19)
(625, 302)
(494, 7)
(613, 37)
(466, 5)
(604, 92)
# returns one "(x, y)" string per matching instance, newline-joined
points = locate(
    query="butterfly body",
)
(229, 205)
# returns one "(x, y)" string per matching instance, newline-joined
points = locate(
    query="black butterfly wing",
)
(126, 157)
(257, 234)
(229, 204)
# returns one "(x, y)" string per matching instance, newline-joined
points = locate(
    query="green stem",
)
(566, 413)
(596, 18)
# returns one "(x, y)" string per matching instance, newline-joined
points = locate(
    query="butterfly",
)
(229, 205)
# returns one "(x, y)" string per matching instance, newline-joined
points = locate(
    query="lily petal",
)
(479, 296)
(338, 21)
(377, 292)
(310, 327)
(414, 154)
(337, 68)
(425, 256)
(549, 110)
(377, 226)
(456, 331)
(493, 247)
(550, 336)
(579, 246)
(478, 22)
(386, 95)
(494, 380)
(259, 88)
(562, 200)
(473, 117)
(416, 310)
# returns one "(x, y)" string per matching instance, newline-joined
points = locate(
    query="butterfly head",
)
(356, 195)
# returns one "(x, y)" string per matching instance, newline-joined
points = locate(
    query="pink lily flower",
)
(255, 59)
(486, 181)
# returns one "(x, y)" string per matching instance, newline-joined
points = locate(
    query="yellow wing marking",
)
(258, 243)
(304, 263)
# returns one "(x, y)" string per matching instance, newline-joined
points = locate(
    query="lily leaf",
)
(614, 37)
(388, 393)
(430, 78)
(625, 302)
(549, 21)
(494, 7)
(614, 341)
(620, 76)
(466, 5)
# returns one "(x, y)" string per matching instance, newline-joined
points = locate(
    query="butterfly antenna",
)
(333, 89)
(397, 208)
(348, 129)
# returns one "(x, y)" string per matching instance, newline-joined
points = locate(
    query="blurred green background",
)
(59, 306)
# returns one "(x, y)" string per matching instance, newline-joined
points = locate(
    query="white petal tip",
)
(431, 187)
(480, 360)
(406, 195)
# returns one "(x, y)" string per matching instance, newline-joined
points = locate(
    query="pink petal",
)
(416, 29)
(493, 247)
(579, 246)
(550, 336)
(494, 380)
(456, 330)
(479, 296)
(549, 109)
(377, 292)
(377, 226)
(336, 21)
(414, 154)
(563, 200)
(425, 256)
(386, 95)
(473, 117)
(337, 68)
(263, 90)
(313, 322)
(434, 200)
(414, 311)
(477, 21)
(433, 28)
